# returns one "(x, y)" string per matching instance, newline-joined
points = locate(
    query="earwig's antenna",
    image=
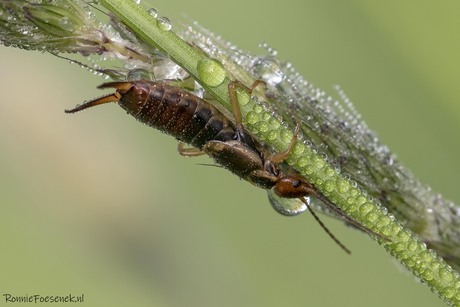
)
(325, 228)
(348, 218)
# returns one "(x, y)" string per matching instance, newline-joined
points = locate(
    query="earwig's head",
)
(293, 186)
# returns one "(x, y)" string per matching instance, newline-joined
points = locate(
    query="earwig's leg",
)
(190, 151)
(281, 156)
(256, 83)
(232, 92)
(232, 88)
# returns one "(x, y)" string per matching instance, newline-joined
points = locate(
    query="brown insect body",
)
(191, 120)
(174, 111)
(194, 121)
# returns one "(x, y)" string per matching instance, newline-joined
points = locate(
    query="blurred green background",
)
(98, 204)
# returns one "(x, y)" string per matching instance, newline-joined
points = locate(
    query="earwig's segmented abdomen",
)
(176, 112)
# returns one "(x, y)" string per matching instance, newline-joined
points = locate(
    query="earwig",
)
(195, 121)
(168, 109)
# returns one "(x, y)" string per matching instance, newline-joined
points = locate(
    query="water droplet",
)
(302, 161)
(258, 109)
(427, 275)
(366, 208)
(252, 118)
(298, 149)
(342, 185)
(66, 24)
(287, 206)
(271, 135)
(274, 120)
(153, 12)
(268, 70)
(446, 275)
(211, 72)
(262, 126)
(412, 246)
(286, 135)
(329, 186)
(164, 23)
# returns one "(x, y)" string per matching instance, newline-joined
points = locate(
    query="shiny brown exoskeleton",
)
(194, 121)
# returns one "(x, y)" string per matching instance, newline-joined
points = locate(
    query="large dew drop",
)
(211, 72)
(268, 69)
(287, 206)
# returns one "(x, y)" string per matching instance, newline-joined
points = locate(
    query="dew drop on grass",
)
(164, 23)
(153, 12)
(211, 72)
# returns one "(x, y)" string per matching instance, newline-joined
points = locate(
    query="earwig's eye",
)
(296, 183)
